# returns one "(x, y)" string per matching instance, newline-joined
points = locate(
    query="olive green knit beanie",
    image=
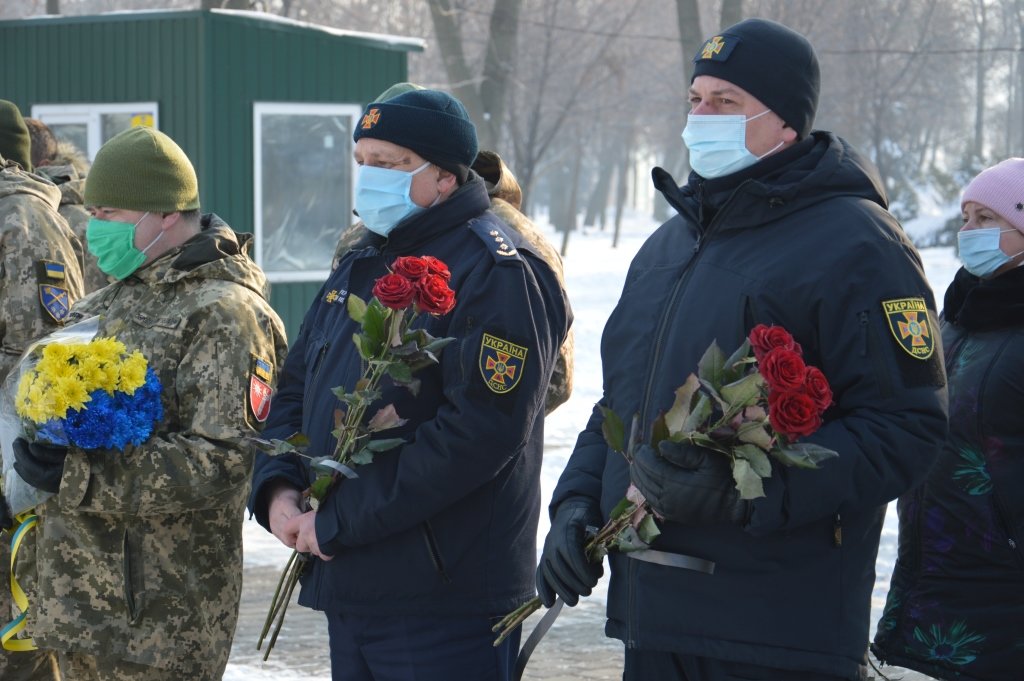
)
(142, 169)
(15, 144)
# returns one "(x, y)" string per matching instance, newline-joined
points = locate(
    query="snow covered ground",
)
(594, 275)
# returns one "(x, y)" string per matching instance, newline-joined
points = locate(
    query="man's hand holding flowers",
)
(688, 484)
(40, 464)
(564, 568)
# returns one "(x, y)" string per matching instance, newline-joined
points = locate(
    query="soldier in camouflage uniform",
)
(506, 199)
(62, 163)
(140, 551)
(40, 278)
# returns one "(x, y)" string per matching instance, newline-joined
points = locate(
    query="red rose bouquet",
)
(751, 408)
(747, 408)
(391, 348)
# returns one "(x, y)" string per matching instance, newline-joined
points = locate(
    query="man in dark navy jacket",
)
(777, 225)
(414, 559)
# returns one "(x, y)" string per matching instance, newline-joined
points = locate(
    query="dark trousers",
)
(418, 648)
(652, 665)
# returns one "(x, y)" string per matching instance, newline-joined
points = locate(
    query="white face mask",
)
(718, 144)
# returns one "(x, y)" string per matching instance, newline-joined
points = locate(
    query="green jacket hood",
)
(15, 180)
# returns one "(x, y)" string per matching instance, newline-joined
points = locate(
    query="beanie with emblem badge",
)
(770, 61)
(142, 169)
(431, 123)
(15, 143)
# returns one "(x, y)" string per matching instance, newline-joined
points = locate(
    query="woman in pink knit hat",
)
(954, 608)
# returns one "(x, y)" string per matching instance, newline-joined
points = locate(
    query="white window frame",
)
(90, 115)
(259, 109)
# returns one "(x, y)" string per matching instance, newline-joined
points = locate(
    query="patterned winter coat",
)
(140, 554)
(68, 171)
(40, 276)
(955, 608)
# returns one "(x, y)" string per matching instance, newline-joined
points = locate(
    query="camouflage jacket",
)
(40, 274)
(140, 553)
(68, 171)
(506, 199)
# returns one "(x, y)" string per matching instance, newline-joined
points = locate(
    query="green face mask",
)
(113, 244)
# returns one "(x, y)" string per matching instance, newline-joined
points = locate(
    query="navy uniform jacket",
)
(448, 522)
(802, 240)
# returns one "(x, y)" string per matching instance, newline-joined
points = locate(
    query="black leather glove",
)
(689, 484)
(40, 465)
(6, 519)
(564, 569)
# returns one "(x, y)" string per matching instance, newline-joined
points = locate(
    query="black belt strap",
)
(677, 560)
(535, 636)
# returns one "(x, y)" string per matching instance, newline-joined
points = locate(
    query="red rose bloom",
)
(410, 267)
(434, 296)
(435, 266)
(394, 291)
(783, 370)
(765, 338)
(817, 387)
(792, 414)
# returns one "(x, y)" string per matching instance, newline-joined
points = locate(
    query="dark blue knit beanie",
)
(770, 61)
(432, 123)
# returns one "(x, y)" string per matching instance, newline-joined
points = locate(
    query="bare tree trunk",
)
(53, 6)
(449, 42)
(602, 187)
(732, 13)
(979, 83)
(499, 63)
(623, 192)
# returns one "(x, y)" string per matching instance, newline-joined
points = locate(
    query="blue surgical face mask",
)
(980, 252)
(383, 199)
(718, 144)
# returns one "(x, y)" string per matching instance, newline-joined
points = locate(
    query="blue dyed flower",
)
(115, 421)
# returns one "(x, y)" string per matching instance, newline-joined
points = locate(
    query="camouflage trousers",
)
(35, 665)
(82, 667)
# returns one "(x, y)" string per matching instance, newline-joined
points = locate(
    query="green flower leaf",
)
(709, 369)
(362, 457)
(747, 481)
(756, 457)
(742, 393)
(648, 529)
(625, 506)
(384, 444)
(802, 454)
(737, 363)
(755, 433)
(675, 418)
(321, 486)
(356, 308)
(628, 539)
(400, 372)
(385, 419)
(699, 416)
(375, 328)
(614, 430)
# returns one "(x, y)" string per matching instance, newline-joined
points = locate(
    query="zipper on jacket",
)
(867, 345)
(435, 552)
(317, 365)
(837, 530)
(667, 311)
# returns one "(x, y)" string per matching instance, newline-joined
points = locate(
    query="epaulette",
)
(494, 234)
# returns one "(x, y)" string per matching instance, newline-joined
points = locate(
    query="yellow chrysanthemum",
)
(106, 350)
(133, 373)
(67, 393)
